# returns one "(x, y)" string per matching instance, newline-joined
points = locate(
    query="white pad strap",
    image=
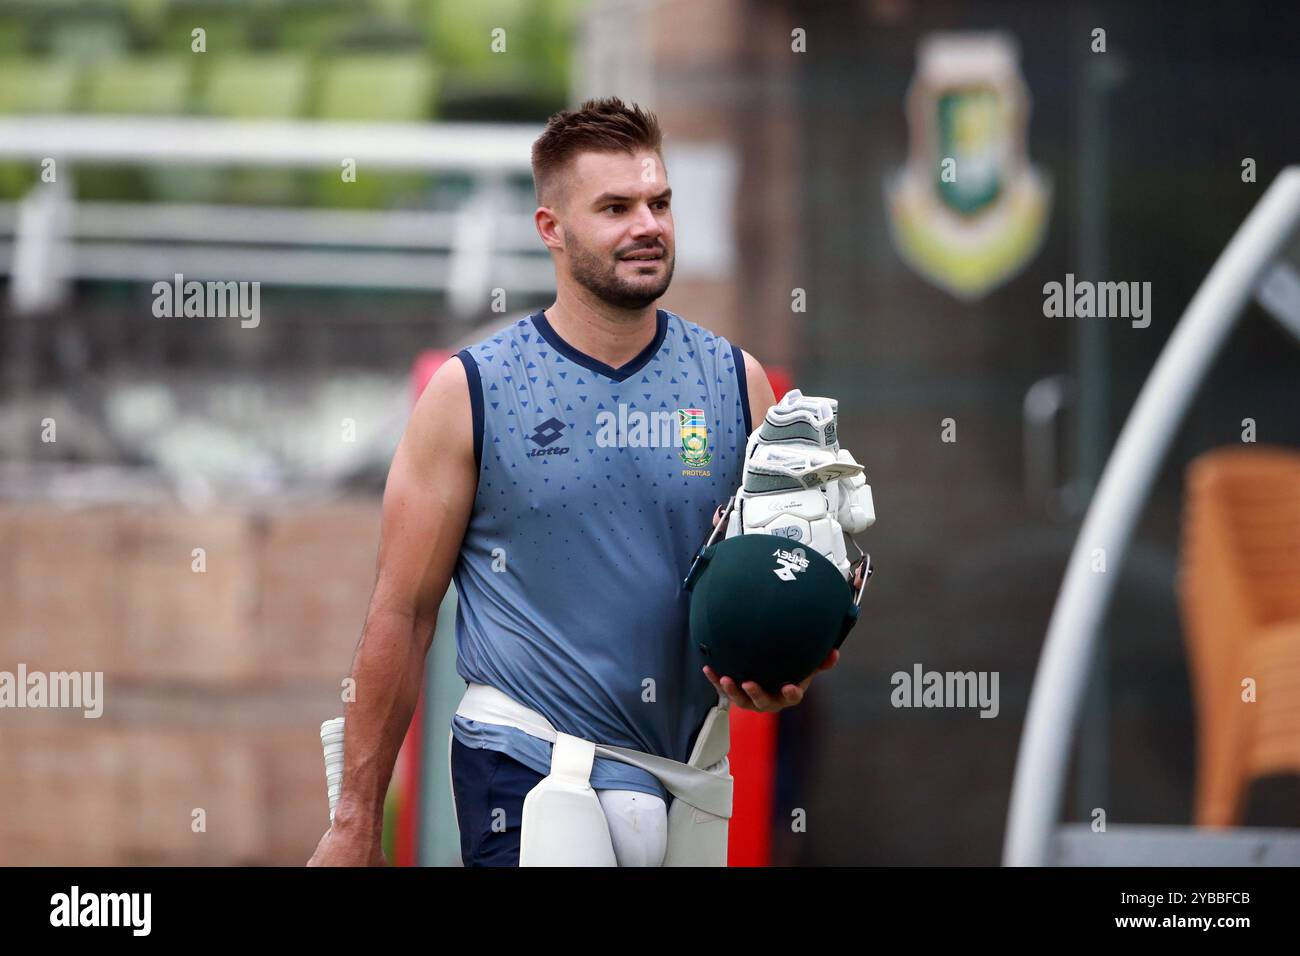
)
(688, 781)
(572, 757)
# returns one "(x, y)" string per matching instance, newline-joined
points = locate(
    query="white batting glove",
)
(784, 493)
(806, 419)
(800, 418)
(798, 482)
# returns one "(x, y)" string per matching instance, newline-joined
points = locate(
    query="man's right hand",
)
(349, 846)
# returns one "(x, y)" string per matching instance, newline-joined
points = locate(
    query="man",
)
(536, 470)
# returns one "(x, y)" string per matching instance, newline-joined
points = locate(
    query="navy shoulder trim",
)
(475, 401)
(742, 378)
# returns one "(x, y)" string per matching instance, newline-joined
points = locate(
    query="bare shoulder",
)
(442, 420)
(753, 368)
(761, 395)
(448, 384)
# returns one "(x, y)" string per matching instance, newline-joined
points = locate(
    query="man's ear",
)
(557, 226)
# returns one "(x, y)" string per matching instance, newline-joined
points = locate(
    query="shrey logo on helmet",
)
(789, 562)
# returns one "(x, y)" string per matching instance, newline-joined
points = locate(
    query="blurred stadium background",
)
(267, 447)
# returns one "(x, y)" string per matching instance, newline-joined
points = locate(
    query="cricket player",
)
(564, 472)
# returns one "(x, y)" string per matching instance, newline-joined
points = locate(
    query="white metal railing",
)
(1247, 265)
(191, 141)
(50, 238)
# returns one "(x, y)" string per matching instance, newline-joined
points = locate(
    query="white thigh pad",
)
(563, 823)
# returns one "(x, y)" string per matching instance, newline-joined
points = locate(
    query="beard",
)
(600, 277)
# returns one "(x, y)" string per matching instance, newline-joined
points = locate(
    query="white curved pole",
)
(1125, 485)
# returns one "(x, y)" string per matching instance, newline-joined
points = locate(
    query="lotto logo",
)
(547, 432)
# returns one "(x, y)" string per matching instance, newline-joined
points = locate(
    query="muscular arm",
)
(761, 396)
(427, 503)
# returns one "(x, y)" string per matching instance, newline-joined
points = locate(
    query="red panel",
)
(782, 381)
(408, 784)
(753, 752)
(753, 764)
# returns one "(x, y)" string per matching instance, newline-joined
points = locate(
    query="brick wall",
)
(215, 683)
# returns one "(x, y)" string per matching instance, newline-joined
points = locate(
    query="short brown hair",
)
(602, 126)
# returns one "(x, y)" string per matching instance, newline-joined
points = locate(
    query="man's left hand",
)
(750, 696)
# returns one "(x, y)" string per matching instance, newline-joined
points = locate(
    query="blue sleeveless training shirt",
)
(596, 487)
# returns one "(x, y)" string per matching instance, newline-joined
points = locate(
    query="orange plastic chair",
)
(1239, 592)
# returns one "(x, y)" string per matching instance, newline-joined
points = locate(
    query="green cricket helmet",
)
(767, 611)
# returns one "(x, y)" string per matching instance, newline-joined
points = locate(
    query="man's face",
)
(618, 227)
